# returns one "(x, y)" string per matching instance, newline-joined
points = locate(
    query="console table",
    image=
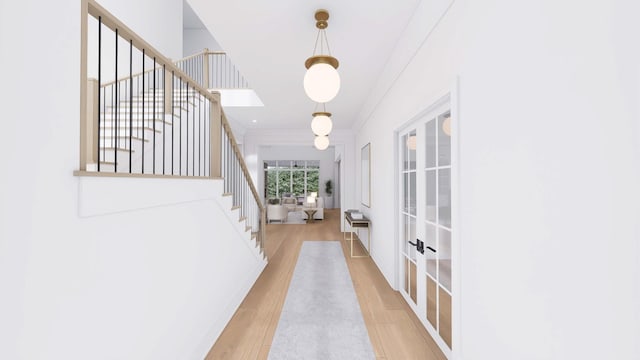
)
(310, 212)
(357, 224)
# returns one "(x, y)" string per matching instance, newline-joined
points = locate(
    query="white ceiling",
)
(269, 42)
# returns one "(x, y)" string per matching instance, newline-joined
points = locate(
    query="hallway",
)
(394, 331)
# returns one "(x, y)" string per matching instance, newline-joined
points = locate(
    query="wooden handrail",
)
(109, 20)
(243, 165)
(201, 53)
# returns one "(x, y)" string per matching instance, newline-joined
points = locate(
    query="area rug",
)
(321, 317)
(296, 217)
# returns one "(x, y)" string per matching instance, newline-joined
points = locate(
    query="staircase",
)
(162, 121)
(139, 133)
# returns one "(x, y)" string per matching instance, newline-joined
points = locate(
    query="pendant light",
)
(321, 142)
(322, 81)
(321, 124)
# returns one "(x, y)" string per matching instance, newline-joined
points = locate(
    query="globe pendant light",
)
(321, 142)
(321, 81)
(321, 124)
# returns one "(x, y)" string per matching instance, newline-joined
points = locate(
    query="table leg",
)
(351, 242)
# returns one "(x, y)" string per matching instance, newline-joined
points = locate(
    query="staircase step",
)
(235, 207)
(242, 218)
(109, 121)
(119, 149)
(147, 104)
(124, 137)
(176, 90)
(148, 111)
(122, 127)
(137, 115)
(175, 98)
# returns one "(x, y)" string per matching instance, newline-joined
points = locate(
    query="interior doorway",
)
(425, 216)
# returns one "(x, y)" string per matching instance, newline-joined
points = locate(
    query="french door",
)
(425, 222)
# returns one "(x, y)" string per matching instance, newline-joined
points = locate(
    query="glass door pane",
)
(432, 302)
(444, 316)
(444, 197)
(444, 139)
(408, 214)
(437, 221)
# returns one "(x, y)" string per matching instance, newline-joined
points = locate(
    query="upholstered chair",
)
(276, 212)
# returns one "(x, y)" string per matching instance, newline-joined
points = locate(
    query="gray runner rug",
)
(321, 317)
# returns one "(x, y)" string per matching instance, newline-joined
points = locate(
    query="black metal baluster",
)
(117, 99)
(144, 96)
(180, 136)
(193, 140)
(164, 113)
(130, 102)
(207, 131)
(187, 133)
(113, 124)
(99, 82)
(104, 131)
(200, 136)
(153, 157)
(137, 132)
(173, 114)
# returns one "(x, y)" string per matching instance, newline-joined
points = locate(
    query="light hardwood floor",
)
(394, 330)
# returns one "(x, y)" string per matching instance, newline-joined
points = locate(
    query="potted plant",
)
(328, 189)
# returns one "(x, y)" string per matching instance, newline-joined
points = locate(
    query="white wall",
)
(342, 140)
(549, 96)
(158, 22)
(278, 152)
(134, 284)
(196, 40)
(160, 27)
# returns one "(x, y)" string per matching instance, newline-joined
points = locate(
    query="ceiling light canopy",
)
(321, 142)
(321, 124)
(322, 81)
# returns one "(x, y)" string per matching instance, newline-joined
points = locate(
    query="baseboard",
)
(219, 324)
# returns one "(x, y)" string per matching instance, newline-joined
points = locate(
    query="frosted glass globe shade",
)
(321, 125)
(321, 82)
(321, 142)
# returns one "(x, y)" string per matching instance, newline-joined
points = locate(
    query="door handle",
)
(419, 244)
(430, 248)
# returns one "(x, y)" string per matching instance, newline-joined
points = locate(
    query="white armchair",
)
(319, 215)
(289, 203)
(276, 212)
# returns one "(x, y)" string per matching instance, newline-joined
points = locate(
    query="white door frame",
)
(449, 95)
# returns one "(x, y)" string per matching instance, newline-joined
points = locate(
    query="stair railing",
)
(213, 70)
(159, 122)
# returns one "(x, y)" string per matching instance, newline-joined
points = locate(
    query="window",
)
(294, 177)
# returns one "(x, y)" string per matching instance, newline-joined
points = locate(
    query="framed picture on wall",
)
(365, 176)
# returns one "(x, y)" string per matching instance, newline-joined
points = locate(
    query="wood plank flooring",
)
(395, 332)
